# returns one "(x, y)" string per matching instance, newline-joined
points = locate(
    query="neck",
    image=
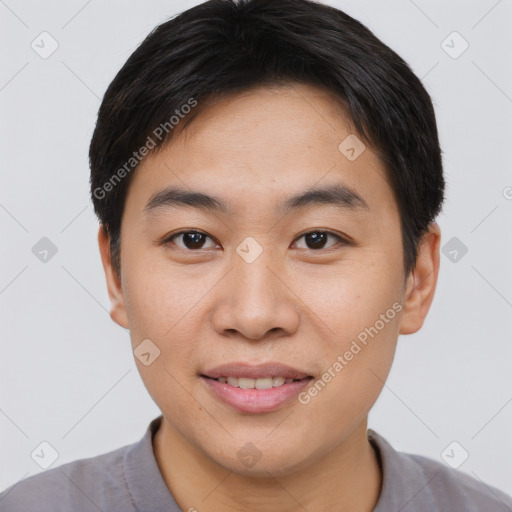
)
(348, 478)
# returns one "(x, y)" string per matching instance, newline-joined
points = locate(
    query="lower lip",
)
(255, 400)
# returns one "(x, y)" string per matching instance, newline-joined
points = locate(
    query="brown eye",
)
(190, 240)
(316, 240)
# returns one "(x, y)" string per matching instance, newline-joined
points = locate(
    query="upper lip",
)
(241, 369)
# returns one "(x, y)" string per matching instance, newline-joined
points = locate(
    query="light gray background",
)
(67, 372)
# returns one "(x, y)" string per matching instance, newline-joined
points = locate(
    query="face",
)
(313, 291)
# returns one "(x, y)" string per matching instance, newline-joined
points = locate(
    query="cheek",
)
(160, 306)
(359, 314)
(159, 298)
(351, 382)
(352, 296)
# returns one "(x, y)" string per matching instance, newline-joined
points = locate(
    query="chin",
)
(271, 460)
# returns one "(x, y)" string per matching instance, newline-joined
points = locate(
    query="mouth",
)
(255, 389)
(261, 383)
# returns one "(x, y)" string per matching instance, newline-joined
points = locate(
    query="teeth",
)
(278, 381)
(233, 381)
(265, 383)
(247, 383)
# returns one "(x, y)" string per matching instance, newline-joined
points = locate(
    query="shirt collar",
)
(402, 479)
(404, 482)
(143, 478)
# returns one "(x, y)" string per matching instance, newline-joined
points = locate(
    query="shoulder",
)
(414, 482)
(90, 484)
(447, 486)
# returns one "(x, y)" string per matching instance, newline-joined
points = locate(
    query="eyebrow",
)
(338, 195)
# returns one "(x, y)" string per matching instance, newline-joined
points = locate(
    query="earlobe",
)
(115, 290)
(422, 281)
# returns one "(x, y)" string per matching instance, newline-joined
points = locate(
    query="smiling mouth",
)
(255, 388)
(259, 383)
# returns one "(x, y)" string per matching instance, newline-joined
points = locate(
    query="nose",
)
(255, 301)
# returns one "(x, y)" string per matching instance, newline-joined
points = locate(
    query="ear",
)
(422, 281)
(115, 291)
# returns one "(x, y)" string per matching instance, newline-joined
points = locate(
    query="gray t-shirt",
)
(128, 480)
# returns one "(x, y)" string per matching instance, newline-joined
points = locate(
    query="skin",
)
(294, 304)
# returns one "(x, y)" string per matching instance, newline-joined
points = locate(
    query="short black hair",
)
(221, 47)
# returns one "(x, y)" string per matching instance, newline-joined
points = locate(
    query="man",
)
(267, 176)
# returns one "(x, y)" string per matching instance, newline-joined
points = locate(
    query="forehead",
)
(265, 145)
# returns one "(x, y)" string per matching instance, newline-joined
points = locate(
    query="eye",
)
(317, 239)
(195, 240)
(191, 239)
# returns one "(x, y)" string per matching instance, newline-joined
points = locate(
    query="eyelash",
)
(341, 241)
